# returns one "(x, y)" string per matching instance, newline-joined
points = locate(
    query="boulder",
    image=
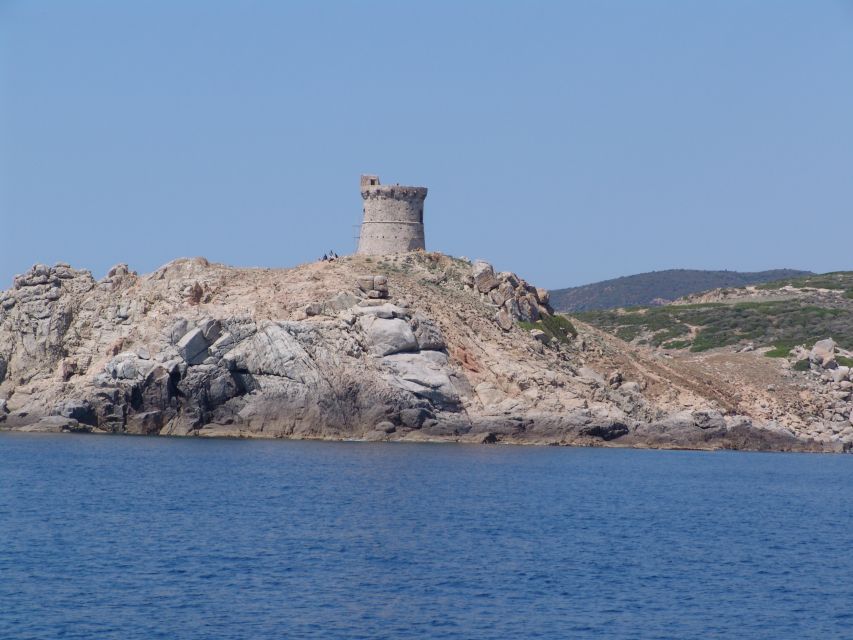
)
(500, 294)
(211, 329)
(606, 431)
(79, 410)
(314, 309)
(127, 366)
(425, 374)
(510, 278)
(512, 308)
(427, 333)
(385, 336)
(118, 271)
(178, 330)
(193, 346)
(614, 380)
(839, 374)
(341, 301)
(415, 417)
(375, 287)
(823, 353)
(528, 309)
(365, 283)
(709, 419)
(37, 275)
(223, 345)
(386, 427)
(503, 319)
(484, 276)
(380, 284)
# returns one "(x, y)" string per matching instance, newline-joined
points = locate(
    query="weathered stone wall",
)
(393, 218)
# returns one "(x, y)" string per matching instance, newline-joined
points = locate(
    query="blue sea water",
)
(124, 537)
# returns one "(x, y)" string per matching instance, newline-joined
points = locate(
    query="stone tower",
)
(393, 218)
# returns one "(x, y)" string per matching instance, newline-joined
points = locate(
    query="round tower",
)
(393, 218)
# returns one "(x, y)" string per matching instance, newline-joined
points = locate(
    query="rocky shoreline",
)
(416, 347)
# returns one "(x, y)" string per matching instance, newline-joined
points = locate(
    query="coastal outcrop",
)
(416, 346)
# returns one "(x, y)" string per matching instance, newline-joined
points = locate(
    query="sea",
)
(133, 537)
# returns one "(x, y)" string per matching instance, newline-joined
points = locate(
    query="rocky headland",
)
(412, 347)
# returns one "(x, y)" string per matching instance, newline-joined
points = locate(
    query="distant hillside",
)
(782, 314)
(658, 287)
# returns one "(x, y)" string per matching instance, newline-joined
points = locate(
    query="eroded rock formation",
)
(415, 346)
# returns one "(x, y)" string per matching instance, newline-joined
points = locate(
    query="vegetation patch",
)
(834, 280)
(556, 327)
(781, 324)
(802, 365)
(844, 361)
(676, 344)
(779, 351)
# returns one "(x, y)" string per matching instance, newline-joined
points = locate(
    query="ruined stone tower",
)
(393, 218)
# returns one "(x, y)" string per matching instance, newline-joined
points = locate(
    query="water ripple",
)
(137, 538)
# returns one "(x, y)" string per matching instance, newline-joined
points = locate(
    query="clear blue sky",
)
(567, 141)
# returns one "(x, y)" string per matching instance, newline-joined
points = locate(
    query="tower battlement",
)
(393, 218)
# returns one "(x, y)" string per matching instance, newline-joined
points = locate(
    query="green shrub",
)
(556, 327)
(802, 365)
(677, 344)
(844, 361)
(560, 325)
(780, 323)
(782, 348)
(778, 351)
(834, 280)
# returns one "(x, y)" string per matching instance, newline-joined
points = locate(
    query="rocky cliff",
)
(417, 346)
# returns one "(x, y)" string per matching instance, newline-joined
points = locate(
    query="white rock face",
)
(273, 351)
(424, 374)
(387, 336)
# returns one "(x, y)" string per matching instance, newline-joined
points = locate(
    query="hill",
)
(658, 286)
(784, 347)
(412, 347)
(782, 314)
